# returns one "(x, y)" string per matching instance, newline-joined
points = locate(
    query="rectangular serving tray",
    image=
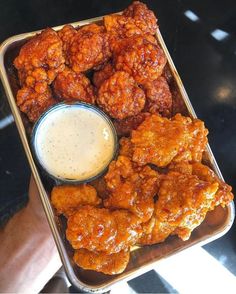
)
(143, 259)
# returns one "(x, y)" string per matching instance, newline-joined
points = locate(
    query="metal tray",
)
(216, 224)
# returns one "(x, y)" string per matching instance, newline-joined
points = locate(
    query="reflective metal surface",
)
(142, 259)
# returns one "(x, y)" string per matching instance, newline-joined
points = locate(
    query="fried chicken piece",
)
(34, 103)
(120, 96)
(101, 262)
(44, 52)
(131, 188)
(89, 48)
(66, 199)
(159, 140)
(125, 126)
(99, 229)
(126, 147)
(105, 73)
(224, 193)
(137, 19)
(144, 18)
(183, 202)
(159, 98)
(66, 34)
(155, 231)
(167, 74)
(101, 187)
(120, 27)
(141, 58)
(70, 85)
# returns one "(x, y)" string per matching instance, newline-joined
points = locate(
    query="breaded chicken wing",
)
(183, 202)
(99, 229)
(126, 147)
(89, 48)
(66, 34)
(159, 140)
(70, 85)
(141, 58)
(131, 188)
(159, 98)
(33, 103)
(101, 262)
(120, 27)
(67, 199)
(125, 126)
(120, 96)
(44, 51)
(224, 193)
(144, 18)
(103, 74)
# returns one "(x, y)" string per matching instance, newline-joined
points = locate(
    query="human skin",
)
(28, 254)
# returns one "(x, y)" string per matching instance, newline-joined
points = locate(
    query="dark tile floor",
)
(201, 37)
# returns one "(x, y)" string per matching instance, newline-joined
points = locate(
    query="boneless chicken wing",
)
(159, 140)
(44, 51)
(140, 57)
(67, 199)
(144, 18)
(183, 202)
(120, 27)
(126, 147)
(70, 85)
(34, 103)
(224, 193)
(125, 126)
(120, 96)
(131, 188)
(89, 48)
(101, 262)
(66, 34)
(99, 229)
(159, 98)
(103, 74)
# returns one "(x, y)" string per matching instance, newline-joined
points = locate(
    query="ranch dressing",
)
(74, 143)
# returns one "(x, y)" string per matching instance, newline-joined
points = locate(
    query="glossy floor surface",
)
(201, 38)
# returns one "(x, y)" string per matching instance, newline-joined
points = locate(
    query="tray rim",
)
(43, 195)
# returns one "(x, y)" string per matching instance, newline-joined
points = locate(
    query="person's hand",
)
(28, 254)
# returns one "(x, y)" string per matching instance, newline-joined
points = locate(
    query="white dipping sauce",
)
(74, 143)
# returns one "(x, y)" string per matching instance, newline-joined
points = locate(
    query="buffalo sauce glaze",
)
(74, 143)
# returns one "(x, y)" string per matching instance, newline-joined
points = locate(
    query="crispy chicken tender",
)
(101, 262)
(120, 96)
(66, 199)
(160, 141)
(44, 52)
(89, 48)
(66, 34)
(125, 126)
(131, 188)
(159, 98)
(183, 202)
(140, 57)
(144, 18)
(70, 85)
(34, 103)
(99, 229)
(105, 73)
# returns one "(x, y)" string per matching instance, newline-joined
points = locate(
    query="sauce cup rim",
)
(61, 105)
